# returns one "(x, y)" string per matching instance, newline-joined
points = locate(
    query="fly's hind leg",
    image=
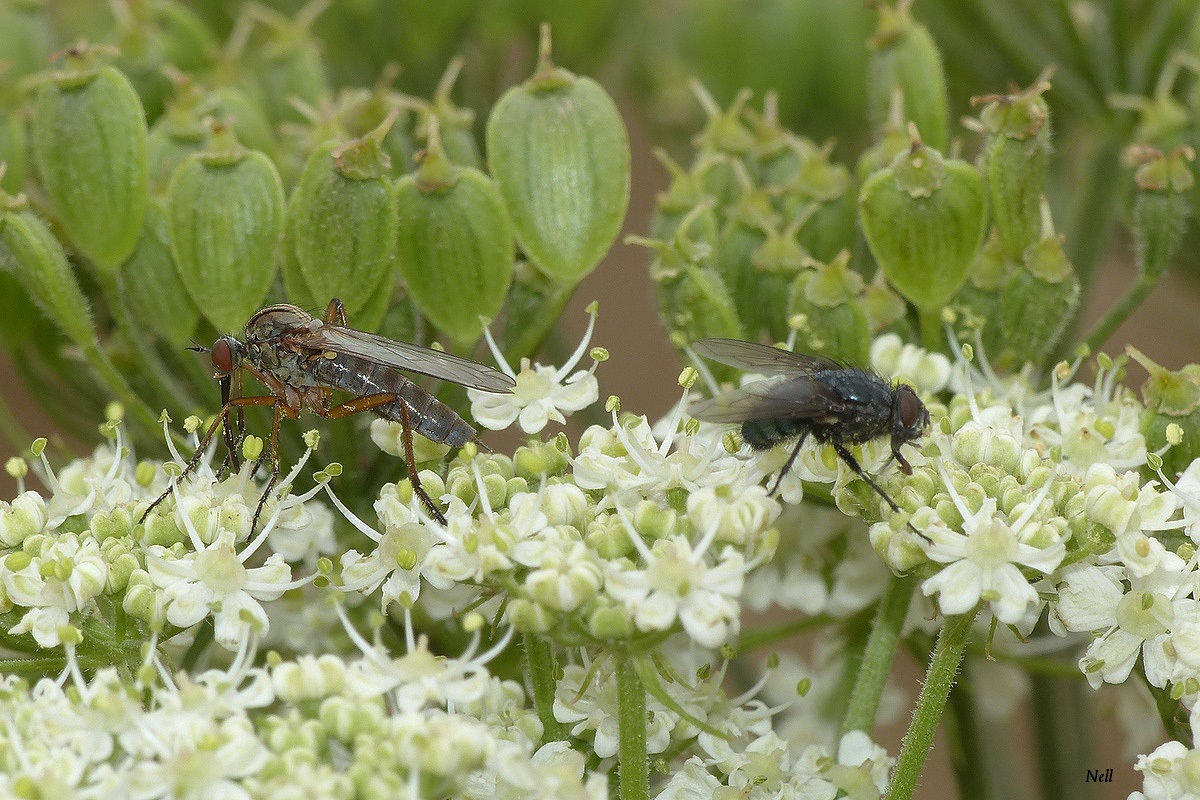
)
(273, 454)
(791, 460)
(373, 401)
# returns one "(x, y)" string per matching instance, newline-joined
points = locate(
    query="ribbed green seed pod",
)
(151, 36)
(924, 217)
(559, 152)
(225, 213)
(89, 141)
(151, 284)
(29, 251)
(697, 306)
(1171, 398)
(821, 190)
(456, 125)
(1014, 159)
(288, 64)
(1036, 305)
(454, 244)
(832, 320)
(341, 221)
(776, 265)
(976, 301)
(904, 56)
(725, 143)
(1161, 206)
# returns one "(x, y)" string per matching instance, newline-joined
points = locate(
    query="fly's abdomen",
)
(429, 417)
(765, 434)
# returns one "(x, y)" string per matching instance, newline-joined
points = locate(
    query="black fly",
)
(835, 403)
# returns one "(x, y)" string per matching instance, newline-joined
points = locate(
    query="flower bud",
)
(905, 58)
(225, 212)
(924, 218)
(89, 142)
(537, 461)
(151, 284)
(341, 222)
(835, 321)
(559, 152)
(309, 678)
(529, 617)
(22, 519)
(1171, 398)
(29, 251)
(610, 622)
(1015, 155)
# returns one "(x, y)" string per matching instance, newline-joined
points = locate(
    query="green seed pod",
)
(454, 244)
(821, 190)
(152, 36)
(1161, 206)
(288, 64)
(29, 251)
(1171, 398)
(747, 221)
(886, 311)
(976, 301)
(151, 284)
(1014, 159)
(777, 154)
(1036, 305)
(225, 213)
(456, 125)
(832, 320)
(924, 218)
(904, 56)
(361, 110)
(696, 306)
(560, 154)
(725, 141)
(683, 193)
(341, 221)
(89, 142)
(776, 265)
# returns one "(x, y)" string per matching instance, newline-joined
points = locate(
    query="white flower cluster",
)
(313, 727)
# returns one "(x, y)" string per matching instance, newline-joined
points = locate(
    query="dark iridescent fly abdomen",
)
(428, 417)
(765, 434)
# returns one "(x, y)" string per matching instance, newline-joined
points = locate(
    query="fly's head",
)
(909, 420)
(226, 356)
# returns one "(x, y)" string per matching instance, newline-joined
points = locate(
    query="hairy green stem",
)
(633, 781)
(968, 757)
(939, 679)
(539, 657)
(879, 655)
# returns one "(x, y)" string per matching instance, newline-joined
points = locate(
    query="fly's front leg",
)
(335, 313)
(373, 401)
(222, 418)
(846, 456)
(791, 460)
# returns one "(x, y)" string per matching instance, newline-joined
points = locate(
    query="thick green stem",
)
(633, 780)
(939, 679)
(968, 757)
(1120, 311)
(539, 657)
(879, 655)
(933, 332)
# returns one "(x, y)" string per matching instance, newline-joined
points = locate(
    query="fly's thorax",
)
(867, 407)
(278, 320)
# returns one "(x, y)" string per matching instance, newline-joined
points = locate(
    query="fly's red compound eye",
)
(911, 409)
(222, 357)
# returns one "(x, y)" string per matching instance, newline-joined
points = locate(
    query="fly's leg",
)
(383, 398)
(230, 431)
(222, 418)
(791, 460)
(846, 456)
(335, 313)
(273, 454)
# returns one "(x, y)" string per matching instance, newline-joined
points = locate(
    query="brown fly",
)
(302, 360)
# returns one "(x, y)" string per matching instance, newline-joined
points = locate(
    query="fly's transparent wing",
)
(798, 398)
(408, 357)
(762, 358)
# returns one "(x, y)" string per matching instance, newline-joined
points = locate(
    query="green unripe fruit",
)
(454, 245)
(1161, 206)
(151, 284)
(1171, 398)
(89, 142)
(826, 304)
(225, 213)
(559, 152)
(1014, 160)
(12, 150)
(924, 218)
(341, 222)
(288, 65)
(904, 57)
(29, 251)
(26, 39)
